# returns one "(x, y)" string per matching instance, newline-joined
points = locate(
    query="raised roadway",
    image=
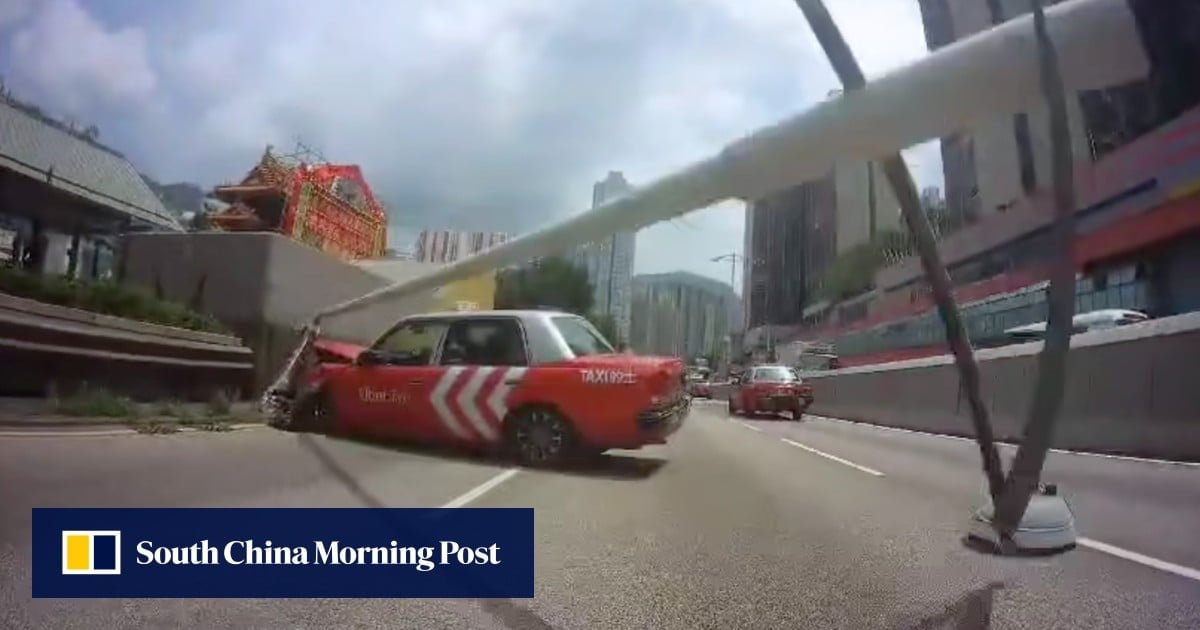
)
(735, 524)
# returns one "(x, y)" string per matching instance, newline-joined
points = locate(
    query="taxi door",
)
(386, 393)
(476, 360)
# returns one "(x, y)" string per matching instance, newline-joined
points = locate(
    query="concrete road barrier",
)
(1131, 391)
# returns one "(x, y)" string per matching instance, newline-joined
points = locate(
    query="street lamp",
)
(733, 258)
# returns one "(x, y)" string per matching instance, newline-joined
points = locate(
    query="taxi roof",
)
(518, 313)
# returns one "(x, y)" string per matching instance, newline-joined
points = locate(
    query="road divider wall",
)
(1132, 390)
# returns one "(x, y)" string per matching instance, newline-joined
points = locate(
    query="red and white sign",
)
(471, 402)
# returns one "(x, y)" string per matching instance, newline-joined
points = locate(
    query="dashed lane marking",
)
(835, 458)
(482, 489)
(1133, 556)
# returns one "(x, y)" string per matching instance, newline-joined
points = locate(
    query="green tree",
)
(853, 272)
(199, 222)
(547, 283)
(607, 327)
(554, 283)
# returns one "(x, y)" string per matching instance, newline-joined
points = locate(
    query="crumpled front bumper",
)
(657, 424)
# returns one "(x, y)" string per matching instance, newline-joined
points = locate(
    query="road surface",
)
(735, 524)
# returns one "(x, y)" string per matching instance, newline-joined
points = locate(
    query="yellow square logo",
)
(91, 553)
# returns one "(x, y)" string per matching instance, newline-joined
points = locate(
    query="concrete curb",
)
(28, 430)
(99, 421)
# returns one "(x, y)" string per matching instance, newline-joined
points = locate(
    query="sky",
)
(494, 115)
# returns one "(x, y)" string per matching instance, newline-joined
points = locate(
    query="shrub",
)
(96, 401)
(105, 297)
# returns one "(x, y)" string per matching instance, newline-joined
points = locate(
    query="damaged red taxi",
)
(541, 385)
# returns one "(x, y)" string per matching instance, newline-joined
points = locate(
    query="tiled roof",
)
(34, 148)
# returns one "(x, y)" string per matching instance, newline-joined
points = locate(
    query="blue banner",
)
(283, 552)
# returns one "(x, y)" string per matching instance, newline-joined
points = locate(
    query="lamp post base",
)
(1048, 527)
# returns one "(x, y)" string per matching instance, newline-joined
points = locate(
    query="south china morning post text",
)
(283, 552)
(239, 552)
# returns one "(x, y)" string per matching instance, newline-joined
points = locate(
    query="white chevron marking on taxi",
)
(466, 401)
(438, 399)
(497, 402)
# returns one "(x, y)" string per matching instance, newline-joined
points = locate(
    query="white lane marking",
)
(1060, 451)
(482, 489)
(498, 401)
(438, 399)
(466, 402)
(1133, 556)
(846, 462)
(749, 426)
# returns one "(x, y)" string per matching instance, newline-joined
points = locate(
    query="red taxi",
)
(700, 389)
(542, 385)
(770, 389)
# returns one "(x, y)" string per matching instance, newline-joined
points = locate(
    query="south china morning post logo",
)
(283, 552)
(91, 552)
(98, 553)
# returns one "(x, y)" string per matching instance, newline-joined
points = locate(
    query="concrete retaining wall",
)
(264, 286)
(45, 344)
(1132, 391)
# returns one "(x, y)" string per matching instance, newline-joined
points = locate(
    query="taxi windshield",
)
(581, 336)
(774, 375)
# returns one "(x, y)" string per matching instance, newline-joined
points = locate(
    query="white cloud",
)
(13, 11)
(64, 51)
(464, 114)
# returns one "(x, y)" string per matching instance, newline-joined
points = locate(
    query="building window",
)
(1025, 153)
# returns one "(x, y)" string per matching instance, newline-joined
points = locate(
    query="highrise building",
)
(445, 246)
(792, 240)
(865, 204)
(682, 314)
(990, 168)
(1137, 215)
(609, 261)
(1116, 116)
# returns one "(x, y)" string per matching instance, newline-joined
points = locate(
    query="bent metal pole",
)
(841, 57)
(1026, 471)
(960, 86)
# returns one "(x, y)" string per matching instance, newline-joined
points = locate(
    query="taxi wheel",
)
(313, 413)
(539, 436)
(732, 410)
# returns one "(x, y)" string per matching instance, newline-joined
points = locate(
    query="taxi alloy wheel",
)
(313, 413)
(540, 437)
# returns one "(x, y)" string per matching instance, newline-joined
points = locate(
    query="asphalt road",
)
(729, 526)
